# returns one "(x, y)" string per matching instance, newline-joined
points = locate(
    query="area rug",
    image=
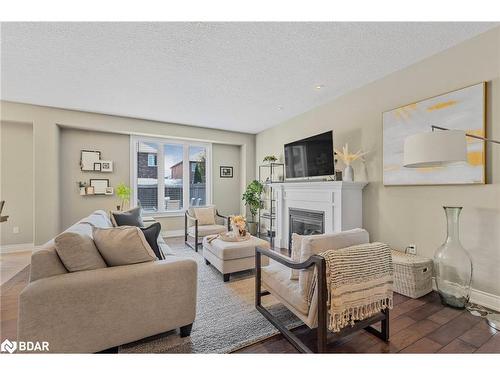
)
(226, 318)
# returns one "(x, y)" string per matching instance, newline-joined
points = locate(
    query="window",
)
(151, 160)
(184, 166)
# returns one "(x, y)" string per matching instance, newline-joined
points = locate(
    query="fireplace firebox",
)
(305, 222)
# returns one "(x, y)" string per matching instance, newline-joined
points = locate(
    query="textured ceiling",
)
(236, 76)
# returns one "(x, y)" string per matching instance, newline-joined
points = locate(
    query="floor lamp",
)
(441, 148)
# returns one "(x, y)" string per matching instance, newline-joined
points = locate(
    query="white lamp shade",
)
(433, 149)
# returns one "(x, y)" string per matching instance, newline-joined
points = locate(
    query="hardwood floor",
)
(417, 326)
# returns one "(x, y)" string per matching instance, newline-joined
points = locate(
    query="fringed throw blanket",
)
(359, 281)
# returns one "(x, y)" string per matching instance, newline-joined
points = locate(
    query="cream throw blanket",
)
(359, 281)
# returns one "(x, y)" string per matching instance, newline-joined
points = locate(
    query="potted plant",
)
(270, 159)
(123, 192)
(251, 197)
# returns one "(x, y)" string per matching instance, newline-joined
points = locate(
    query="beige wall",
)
(17, 182)
(403, 215)
(226, 191)
(47, 125)
(115, 147)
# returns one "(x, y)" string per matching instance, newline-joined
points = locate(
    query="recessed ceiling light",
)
(319, 87)
(280, 108)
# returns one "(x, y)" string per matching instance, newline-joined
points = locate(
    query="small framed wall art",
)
(226, 172)
(100, 185)
(88, 158)
(106, 166)
(97, 167)
(109, 190)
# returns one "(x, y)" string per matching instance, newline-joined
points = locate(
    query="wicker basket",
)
(412, 274)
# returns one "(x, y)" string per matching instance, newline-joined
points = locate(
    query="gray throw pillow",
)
(123, 245)
(78, 252)
(131, 217)
(151, 233)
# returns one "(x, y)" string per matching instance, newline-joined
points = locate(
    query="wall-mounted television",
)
(310, 157)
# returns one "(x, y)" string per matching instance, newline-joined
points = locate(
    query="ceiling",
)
(235, 76)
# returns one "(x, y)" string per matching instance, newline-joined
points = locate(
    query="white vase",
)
(348, 174)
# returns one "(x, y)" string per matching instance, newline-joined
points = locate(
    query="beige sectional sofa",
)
(90, 311)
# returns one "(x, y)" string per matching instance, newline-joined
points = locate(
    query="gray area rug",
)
(226, 318)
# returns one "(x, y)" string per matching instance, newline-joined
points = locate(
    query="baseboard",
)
(491, 301)
(172, 233)
(17, 248)
(485, 299)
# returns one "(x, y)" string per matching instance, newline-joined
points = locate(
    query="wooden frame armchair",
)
(316, 317)
(198, 231)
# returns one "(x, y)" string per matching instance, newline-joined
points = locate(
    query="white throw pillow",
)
(205, 215)
(123, 245)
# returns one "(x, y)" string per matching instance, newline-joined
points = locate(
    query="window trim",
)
(162, 141)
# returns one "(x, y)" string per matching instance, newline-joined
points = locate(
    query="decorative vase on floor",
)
(348, 174)
(453, 265)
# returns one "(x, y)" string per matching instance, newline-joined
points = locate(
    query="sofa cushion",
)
(205, 215)
(78, 252)
(123, 245)
(277, 278)
(296, 246)
(131, 217)
(316, 244)
(151, 234)
(205, 230)
(46, 263)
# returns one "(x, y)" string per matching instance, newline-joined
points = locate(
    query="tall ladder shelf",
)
(269, 174)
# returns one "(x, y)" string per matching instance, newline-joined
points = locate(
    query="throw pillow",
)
(151, 233)
(78, 252)
(123, 245)
(205, 215)
(131, 217)
(296, 245)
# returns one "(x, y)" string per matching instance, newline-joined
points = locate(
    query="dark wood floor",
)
(417, 326)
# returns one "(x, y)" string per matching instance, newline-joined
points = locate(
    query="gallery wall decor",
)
(100, 185)
(88, 158)
(226, 172)
(463, 109)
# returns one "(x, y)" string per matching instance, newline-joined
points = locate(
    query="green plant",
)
(270, 159)
(123, 192)
(251, 197)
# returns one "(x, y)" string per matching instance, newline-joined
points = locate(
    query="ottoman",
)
(229, 257)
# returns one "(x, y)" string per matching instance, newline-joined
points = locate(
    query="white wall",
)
(413, 214)
(17, 182)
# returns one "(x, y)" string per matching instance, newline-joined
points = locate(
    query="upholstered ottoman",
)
(229, 257)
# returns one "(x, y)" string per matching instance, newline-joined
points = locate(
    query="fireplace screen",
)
(305, 222)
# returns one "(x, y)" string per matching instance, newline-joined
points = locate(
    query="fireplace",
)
(305, 222)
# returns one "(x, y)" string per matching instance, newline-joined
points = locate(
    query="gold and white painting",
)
(462, 109)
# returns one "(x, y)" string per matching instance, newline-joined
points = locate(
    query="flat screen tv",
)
(310, 157)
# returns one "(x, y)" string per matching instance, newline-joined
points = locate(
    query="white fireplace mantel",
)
(341, 202)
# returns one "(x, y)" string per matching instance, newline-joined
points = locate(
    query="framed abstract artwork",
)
(463, 109)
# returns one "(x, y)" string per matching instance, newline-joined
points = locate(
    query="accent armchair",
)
(201, 221)
(292, 283)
